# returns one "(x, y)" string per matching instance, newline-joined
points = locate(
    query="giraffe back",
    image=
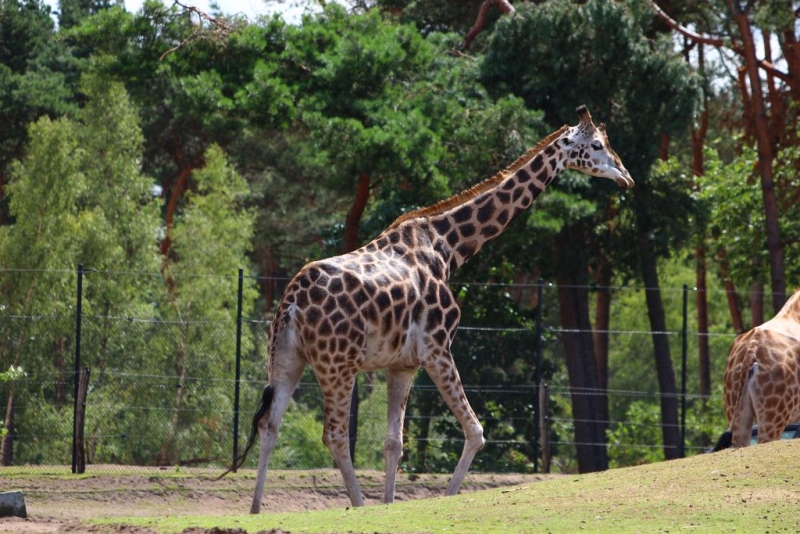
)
(384, 305)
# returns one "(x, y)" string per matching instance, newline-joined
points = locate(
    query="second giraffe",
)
(388, 306)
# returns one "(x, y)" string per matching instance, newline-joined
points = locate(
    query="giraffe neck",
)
(462, 230)
(791, 309)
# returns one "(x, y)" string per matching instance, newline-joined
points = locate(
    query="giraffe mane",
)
(477, 189)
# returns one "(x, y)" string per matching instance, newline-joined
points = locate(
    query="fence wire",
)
(161, 392)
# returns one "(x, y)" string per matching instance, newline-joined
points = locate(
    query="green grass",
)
(756, 489)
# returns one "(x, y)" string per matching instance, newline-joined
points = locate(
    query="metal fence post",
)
(537, 377)
(238, 370)
(80, 422)
(682, 451)
(78, 314)
(544, 403)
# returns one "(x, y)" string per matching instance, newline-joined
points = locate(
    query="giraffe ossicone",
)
(762, 377)
(388, 306)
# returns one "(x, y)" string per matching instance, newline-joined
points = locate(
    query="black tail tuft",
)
(725, 441)
(263, 408)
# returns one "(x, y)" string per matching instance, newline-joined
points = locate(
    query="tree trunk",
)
(166, 455)
(663, 151)
(765, 157)
(776, 101)
(703, 351)
(172, 206)
(480, 21)
(791, 54)
(3, 199)
(350, 243)
(573, 299)
(698, 168)
(756, 304)
(658, 324)
(60, 364)
(7, 443)
(350, 240)
(730, 292)
(269, 273)
(602, 319)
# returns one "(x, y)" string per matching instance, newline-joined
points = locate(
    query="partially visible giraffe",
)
(762, 379)
(387, 306)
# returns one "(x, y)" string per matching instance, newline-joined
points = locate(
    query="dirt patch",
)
(58, 503)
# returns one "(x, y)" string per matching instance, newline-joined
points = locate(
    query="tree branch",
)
(689, 34)
(717, 42)
(217, 28)
(502, 5)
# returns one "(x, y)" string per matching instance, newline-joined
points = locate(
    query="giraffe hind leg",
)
(398, 384)
(336, 433)
(445, 375)
(744, 414)
(268, 418)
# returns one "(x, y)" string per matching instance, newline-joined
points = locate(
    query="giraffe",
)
(762, 378)
(388, 306)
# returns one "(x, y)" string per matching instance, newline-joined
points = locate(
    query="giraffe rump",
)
(762, 377)
(261, 411)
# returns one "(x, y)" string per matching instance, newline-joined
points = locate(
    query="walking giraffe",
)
(762, 378)
(388, 306)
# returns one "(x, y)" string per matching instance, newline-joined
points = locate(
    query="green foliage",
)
(372, 411)
(431, 16)
(736, 217)
(276, 123)
(13, 373)
(49, 430)
(79, 196)
(775, 16)
(787, 161)
(631, 375)
(212, 235)
(642, 425)
(33, 78)
(732, 194)
(300, 442)
(639, 86)
(636, 441)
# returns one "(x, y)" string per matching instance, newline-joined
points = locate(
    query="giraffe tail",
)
(263, 408)
(725, 441)
(742, 411)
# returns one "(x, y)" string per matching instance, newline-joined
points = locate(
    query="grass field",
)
(756, 489)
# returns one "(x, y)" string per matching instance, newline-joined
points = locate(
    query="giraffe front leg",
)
(336, 434)
(444, 374)
(398, 384)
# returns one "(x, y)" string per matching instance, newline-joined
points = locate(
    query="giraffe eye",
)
(597, 145)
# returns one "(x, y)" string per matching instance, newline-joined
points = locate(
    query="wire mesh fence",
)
(163, 387)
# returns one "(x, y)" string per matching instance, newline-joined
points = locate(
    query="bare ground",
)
(58, 503)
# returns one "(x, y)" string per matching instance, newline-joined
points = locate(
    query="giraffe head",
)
(587, 150)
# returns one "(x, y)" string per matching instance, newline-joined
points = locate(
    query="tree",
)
(212, 234)
(77, 196)
(32, 80)
(770, 119)
(644, 90)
